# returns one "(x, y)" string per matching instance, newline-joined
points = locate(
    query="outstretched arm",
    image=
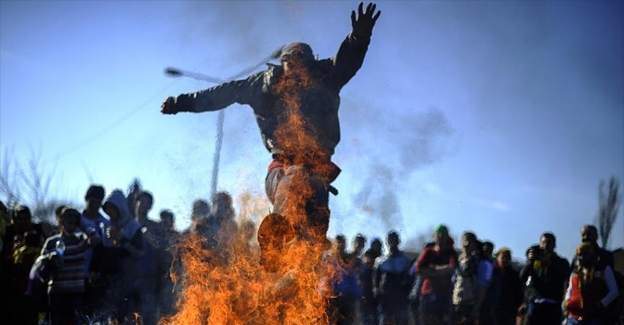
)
(351, 54)
(243, 91)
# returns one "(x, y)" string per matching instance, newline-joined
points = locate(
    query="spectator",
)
(199, 220)
(169, 240)
(486, 315)
(604, 259)
(488, 251)
(359, 243)
(346, 288)
(368, 301)
(21, 224)
(506, 289)
(65, 265)
(201, 210)
(151, 229)
(222, 215)
(167, 226)
(590, 290)
(545, 276)
(472, 278)
(340, 248)
(376, 248)
(394, 283)
(435, 266)
(129, 247)
(97, 228)
(22, 242)
(152, 270)
(92, 221)
(369, 304)
(589, 234)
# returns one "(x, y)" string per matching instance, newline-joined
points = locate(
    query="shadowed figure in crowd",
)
(168, 243)
(359, 243)
(604, 258)
(602, 263)
(130, 246)
(97, 228)
(506, 289)
(22, 240)
(315, 87)
(590, 289)
(368, 302)
(435, 266)
(545, 276)
(199, 218)
(222, 219)
(394, 283)
(345, 287)
(472, 279)
(65, 266)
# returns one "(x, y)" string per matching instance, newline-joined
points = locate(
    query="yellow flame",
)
(233, 285)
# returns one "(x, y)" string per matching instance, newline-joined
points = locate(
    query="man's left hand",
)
(364, 21)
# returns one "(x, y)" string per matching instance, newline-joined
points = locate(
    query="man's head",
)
(393, 240)
(167, 219)
(94, 196)
(22, 217)
(70, 220)
(144, 203)
(468, 241)
(222, 206)
(296, 54)
(503, 257)
(548, 242)
(116, 207)
(589, 234)
(488, 249)
(341, 243)
(201, 210)
(113, 212)
(586, 255)
(376, 247)
(441, 236)
(359, 242)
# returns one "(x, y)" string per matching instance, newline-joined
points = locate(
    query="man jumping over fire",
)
(296, 108)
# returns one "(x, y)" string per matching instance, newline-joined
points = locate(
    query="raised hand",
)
(364, 21)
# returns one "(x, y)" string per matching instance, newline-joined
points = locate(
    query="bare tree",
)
(609, 203)
(28, 183)
(9, 178)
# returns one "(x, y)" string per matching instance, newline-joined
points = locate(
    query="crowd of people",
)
(94, 267)
(474, 284)
(118, 267)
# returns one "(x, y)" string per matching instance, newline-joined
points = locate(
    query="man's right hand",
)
(168, 106)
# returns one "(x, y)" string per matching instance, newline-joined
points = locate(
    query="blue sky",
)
(498, 117)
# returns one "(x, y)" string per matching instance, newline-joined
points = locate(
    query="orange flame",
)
(288, 283)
